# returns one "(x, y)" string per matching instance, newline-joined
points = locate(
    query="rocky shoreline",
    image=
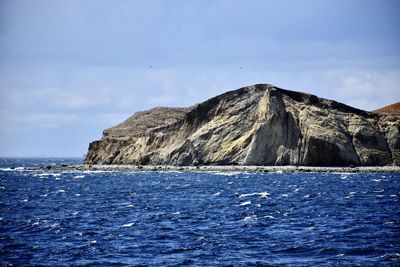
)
(225, 168)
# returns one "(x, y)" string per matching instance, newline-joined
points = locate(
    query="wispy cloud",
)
(52, 120)
(72, 68)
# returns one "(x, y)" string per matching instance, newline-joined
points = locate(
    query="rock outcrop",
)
(254, 125)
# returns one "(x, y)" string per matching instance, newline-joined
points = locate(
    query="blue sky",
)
(70, 69)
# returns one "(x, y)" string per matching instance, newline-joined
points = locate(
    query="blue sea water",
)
(60, 218)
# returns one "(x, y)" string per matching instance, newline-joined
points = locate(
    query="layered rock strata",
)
(254, 125)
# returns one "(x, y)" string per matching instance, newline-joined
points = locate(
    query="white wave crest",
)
(227, 173)
(128, 225)
(245, 203)
(47, 174)
(250, 218)
(260, 194)
(12, 169)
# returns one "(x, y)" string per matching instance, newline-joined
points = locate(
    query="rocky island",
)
(255, 125)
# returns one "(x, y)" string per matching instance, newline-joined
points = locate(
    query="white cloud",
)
(95, 98)
(57, 97)
(52, 120)
(368, 90)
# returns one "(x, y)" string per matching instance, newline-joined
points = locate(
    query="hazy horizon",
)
(70, 69)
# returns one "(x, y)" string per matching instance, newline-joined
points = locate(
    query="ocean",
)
(59, 218)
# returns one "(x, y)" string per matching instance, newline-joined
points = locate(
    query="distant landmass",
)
(254, 125)
(391, 109)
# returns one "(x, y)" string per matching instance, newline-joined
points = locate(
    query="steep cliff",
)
(254, 125)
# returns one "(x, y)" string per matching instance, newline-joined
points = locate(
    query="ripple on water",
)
(208, 219)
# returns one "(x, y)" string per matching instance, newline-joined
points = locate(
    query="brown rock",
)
(254, 125)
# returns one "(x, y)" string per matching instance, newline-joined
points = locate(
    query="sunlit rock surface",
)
(254, 125)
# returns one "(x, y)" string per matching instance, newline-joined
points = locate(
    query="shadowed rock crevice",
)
(254, 125)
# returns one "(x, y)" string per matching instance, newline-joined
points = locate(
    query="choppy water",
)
(200, 219)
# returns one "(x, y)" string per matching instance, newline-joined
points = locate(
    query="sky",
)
(70, 69)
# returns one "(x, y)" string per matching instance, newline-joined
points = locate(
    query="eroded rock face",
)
(254, 125)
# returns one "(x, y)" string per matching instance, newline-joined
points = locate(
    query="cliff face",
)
(254, 125)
